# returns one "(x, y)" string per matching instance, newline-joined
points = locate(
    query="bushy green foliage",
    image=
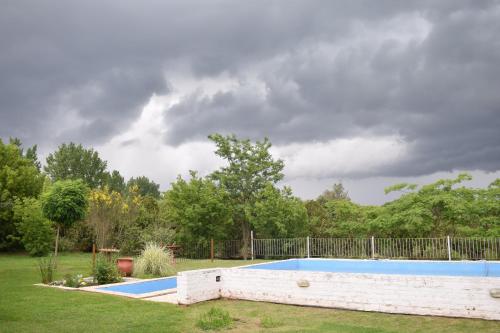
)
(250, 168)
(154, 260)
(200, 209)
(36, 231)
(146, 187)
(72, 161)
(116, 182)
(47, 267)
(66, 202)
(106, 271)
(278, 214)
(442, 208)
(73, 281)
(19, 178)
(215, 319)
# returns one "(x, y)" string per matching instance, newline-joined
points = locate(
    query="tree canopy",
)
(19, 178)
(250, 168)
(72, 161)
(145, 186)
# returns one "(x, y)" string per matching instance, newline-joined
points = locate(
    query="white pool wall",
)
(453, 296)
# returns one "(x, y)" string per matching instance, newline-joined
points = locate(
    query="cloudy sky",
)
(369, 93)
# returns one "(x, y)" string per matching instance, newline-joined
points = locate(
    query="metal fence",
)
(444, 248)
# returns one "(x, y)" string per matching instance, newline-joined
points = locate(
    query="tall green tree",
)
(337, 192)
(199, 209)
(65, 203)
(145, 186)
(116, 182)
(250, 168)
(278, 214)
(72, 161)
(19, 178)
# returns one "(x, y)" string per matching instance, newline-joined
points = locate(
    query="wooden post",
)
(212, 249)
(93, 257)
(251, 243)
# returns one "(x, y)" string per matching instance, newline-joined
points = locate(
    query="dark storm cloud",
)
(101, 61)
(440, 94)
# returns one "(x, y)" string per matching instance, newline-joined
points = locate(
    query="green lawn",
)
(27, 308)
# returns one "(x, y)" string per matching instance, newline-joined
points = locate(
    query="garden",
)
(68, 225)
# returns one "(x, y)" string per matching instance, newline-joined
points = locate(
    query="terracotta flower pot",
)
(125, 265)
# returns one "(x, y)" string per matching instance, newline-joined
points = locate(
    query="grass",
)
(27, 308)
(215, 319)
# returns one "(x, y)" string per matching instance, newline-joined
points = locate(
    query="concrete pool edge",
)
(435, 295)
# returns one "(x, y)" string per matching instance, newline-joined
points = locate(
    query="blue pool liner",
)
(144, 287)
(441, 268)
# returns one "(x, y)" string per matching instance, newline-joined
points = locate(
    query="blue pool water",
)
(451, 268)
(143, 287)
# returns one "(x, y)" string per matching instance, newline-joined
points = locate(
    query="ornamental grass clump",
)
(154, 260)
(47, 268)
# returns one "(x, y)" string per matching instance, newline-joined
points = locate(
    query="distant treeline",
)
(227, 204)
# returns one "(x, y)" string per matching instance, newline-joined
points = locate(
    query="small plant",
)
(74, 281)
(106, 271)
(215, 319)
(154, 260)
(47, 268)
(269, 322)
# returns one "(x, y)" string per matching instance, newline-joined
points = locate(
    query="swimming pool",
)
(403, 267)
(441, 288)
(140, 289)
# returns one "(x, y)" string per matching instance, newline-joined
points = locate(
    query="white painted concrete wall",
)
(421, 295)
(197, 286)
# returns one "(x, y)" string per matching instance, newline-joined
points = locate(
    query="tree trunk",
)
(245, 227)
(57, 246)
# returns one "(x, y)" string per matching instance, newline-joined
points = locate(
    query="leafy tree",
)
(112, 216)
(36, 231)
(19, 178)
(278, 214)
(336, 193)
(115, 182)
(146, 187)
(72, 161)
(250, 169)
(199, 209)
(435, 210)
(65, 203)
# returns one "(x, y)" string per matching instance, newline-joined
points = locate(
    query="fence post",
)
(449, 247)
(308, 251)
(93, 258)
(212, 249)
(373, 247)
(251, 243)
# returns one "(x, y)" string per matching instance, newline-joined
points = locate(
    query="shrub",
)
(215, 319)
(73, 281)
(47, 268)
(106, 271)
(66, 244)
(269, 322)
(36, 231)
(154, 260)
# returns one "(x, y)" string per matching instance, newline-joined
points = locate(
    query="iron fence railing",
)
(443, 248)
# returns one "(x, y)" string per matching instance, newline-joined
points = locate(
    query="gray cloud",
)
(101, 62)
